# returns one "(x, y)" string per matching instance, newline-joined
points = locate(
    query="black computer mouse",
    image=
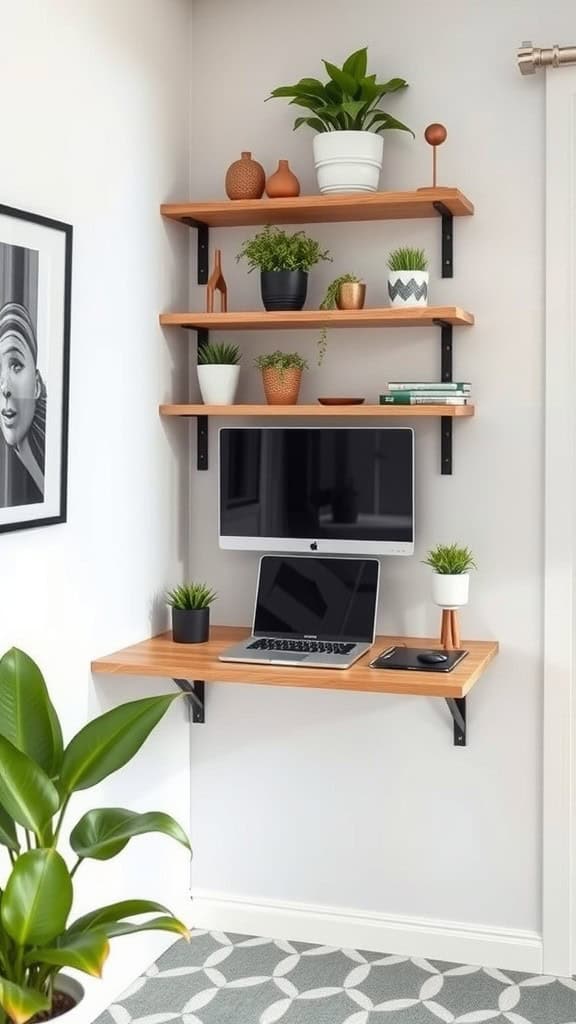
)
(432, 657)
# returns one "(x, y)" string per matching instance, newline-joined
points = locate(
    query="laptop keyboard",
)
(306, 646)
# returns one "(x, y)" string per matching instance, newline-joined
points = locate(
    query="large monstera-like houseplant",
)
(38, 779)
(345, 112)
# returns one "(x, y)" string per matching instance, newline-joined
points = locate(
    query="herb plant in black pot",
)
(284, 261)
(190, 605)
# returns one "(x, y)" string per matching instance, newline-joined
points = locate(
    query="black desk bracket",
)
(447, 239)
(457, 706)
(203, 247)
(194, 692)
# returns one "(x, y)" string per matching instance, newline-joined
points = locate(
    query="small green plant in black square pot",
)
(190, 604)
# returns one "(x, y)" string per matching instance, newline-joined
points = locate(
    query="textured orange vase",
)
(283, 183)
(281, 387)
(245, 178)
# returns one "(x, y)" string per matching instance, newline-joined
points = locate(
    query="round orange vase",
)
(245, 178)
(283, 183)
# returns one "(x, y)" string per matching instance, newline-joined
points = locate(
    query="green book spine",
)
(408, 399)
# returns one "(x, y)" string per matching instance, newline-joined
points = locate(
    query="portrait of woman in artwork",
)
(22, 388)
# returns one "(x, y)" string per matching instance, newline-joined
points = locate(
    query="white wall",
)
(95, 126)
(360, 801)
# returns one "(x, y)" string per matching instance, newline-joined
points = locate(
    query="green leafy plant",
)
(191, 596)
(349, 100)
(274, 249)
(450, 559)
(280, 361)
(407, 259)
(39, 777)
(330, 302)
(218, 353)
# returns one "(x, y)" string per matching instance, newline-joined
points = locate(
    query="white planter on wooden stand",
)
(348, 161)
(218, 383)
(408, 287)
(450, 591)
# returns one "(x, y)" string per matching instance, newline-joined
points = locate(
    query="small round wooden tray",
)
(341, 401)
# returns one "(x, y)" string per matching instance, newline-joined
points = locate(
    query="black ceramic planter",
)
(190, 625)
(283, 289)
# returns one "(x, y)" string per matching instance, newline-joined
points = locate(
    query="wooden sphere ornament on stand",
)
(435, 135)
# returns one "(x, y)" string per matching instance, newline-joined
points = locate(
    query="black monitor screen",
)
(331, 485)
(324, 598)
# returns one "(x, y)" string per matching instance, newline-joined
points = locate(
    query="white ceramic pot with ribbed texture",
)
(348, 161)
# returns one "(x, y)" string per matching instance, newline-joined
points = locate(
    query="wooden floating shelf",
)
(313, 319)
(357, 411)
(318, 209)
(191, 666)
(160, 656)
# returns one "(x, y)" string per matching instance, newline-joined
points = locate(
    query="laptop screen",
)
(317, 598)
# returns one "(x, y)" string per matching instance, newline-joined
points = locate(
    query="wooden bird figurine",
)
(216, 282)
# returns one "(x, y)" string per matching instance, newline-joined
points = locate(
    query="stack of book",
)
(426, 393)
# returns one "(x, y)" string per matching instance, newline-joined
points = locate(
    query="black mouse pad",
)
(407, 658)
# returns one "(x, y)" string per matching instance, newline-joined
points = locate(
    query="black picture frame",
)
(43, 261)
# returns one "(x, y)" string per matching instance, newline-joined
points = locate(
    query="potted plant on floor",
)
(345, 112)
(284, 261)
(190, 604)
(345, 292)
(281, 376)
(39, 776)
(451, 577)
(408, 277)
(218, 373)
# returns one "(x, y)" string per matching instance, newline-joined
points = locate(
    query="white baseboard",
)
(381, 933)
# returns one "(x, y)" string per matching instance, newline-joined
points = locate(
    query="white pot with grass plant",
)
(218, 373)
(451, 566)
(408, 277)
(190, 604)
(346, 115)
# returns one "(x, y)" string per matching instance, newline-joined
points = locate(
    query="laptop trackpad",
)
(284, 656)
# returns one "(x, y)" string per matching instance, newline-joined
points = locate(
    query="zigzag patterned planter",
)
(408, 287)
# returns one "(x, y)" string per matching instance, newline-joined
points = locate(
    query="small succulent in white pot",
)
(408, 277)
(451, 578)
(218, 373)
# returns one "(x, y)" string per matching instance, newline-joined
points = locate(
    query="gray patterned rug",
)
(234, 979)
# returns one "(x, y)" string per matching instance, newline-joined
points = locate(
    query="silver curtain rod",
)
(531, 58)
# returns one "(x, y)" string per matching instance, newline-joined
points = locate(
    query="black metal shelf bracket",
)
(203, 247)
(202, 337)
(194, 692)
(457, 706)
(446, 372)
(447, 239)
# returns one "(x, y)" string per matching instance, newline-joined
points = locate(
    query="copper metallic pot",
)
(351, 295)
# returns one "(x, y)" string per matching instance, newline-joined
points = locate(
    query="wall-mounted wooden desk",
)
(193, 665)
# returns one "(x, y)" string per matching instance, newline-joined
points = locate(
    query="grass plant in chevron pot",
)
(345, 292)
(39, 777)
(345, 112)
(218, 373)
(284, 261)
(451, 577)
(408, 277)
(281, 376)
(190, 604)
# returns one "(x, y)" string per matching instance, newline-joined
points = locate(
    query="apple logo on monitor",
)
(314, 545)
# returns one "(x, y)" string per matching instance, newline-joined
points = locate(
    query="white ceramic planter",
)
(218, 383)
(450, 591)
(73, 988)
(348, 161)
(408, 287)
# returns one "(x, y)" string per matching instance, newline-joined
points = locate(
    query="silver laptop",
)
(311, 611)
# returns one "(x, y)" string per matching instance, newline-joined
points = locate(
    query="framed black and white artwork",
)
(35, 285)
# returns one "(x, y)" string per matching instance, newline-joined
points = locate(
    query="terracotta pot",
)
(351, 295)
(245, 178)
(283, 183)
(281, 387)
